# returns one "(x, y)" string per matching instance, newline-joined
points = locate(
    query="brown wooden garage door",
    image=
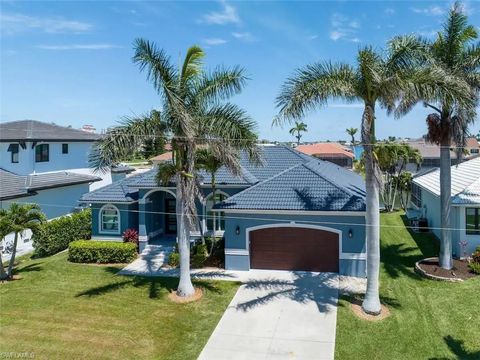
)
(293, 248)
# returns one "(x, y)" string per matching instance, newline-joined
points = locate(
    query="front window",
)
(472, 221)
(417, 195)
(217, 218)
(41, 153)
(64, 148)
(13, 148)
(110, 219)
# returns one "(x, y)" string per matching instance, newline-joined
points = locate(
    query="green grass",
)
(60, 310)
(429, 319)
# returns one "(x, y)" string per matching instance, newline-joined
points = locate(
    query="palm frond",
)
(165, 173)
(312, 86)
(221, 84)
(192, 65)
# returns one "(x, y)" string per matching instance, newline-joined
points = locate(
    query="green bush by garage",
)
(101, 252)
(54, 236)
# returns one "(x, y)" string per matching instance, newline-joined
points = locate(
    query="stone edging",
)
(422, 272)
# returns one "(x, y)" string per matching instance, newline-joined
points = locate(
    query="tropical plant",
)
(195, 114)
(206, 159)
(21, 217)
(5, 229)
(352, 131)
(455, 54)
(376, 80)
(297, 129)
(404, 184)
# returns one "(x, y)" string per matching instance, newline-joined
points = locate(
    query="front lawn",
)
(61, 310)
(429, 319)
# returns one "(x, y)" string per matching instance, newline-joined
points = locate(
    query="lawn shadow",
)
(28, 268)
(321, 288)
(358, 298)
(457, 347)
(400, 259)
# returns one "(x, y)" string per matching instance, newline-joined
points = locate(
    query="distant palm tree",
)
(195, 114)
(456, 54)
(17, 219)
(298, 129)
(352, 131)
(374, 80)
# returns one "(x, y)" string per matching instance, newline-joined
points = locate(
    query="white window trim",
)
(204, 220)
(100, 220)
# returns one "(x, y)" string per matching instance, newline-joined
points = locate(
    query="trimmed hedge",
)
(101, 252)
(55, 235)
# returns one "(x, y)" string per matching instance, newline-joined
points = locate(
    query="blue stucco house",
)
(465, 200)
(294, 212)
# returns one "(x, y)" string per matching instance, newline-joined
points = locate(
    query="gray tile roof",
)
(313, 186)
(119, 191)
(13, 185)
(296, 182)
(33, 130)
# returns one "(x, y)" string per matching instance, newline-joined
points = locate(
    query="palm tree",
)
(20, 218)
(376, 79)
(195, 113)
(455, 53)
(208, 161)
(5, 229)
(352, 131)
(298, 129)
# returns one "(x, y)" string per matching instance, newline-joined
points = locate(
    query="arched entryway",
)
(160, 214)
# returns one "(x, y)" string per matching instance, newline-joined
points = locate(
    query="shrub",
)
(101, 252)
(475, 267)
(200, 255)
(131, 235)
(54, 236)
(174, 259)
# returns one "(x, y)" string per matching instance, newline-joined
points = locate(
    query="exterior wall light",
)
(237, 230)
(350, 233)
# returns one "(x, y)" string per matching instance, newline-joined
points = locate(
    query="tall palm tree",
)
(297, 129)
(208, 161)
(352, 131)
(21, 217)
(376, 80)
(195, 113)
(456, 53)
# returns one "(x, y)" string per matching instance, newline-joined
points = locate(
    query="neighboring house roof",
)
(427, 150)
(32, 130)
(162, 157)
(465, 182)
(325, 150)
(472, 143)
(313, 186)
(122, 169)
(13, 185)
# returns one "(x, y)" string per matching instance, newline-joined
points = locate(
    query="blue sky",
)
(70, 62)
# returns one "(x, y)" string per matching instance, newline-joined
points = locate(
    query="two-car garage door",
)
(294, 248)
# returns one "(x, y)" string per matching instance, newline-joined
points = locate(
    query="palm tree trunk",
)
(445, 257)
(12, 259)
(371, 302)
(185, 286)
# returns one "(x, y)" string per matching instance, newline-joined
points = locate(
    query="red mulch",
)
(460, 269)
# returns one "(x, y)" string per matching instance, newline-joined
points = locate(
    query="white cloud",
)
(244, 36)
(78, 47)
(430, 11)
(312, 37)
(15, 23)
(427, 33)
(228, 15)
(214, 41)
(344, 28)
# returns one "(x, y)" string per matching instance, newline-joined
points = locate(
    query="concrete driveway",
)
(278, 315)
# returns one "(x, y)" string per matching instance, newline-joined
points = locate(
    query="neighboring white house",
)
(47, 164)
(465, 212)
